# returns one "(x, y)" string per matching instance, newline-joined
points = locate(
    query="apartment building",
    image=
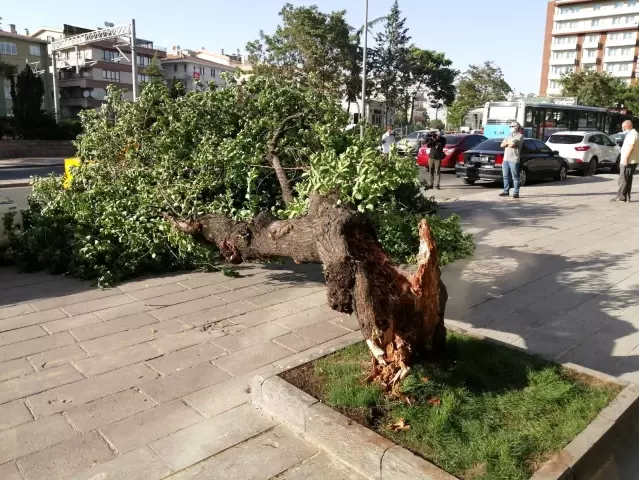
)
(85, 73)
(589, 35)
(196, 69)
(20, 50)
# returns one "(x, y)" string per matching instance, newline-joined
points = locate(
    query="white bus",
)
(541, 117)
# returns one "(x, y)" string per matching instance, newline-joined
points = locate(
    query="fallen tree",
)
(401, 316)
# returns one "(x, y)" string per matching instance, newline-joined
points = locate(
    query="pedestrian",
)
(436, 142)
(388, 140)
(512, 154)
(628, 162)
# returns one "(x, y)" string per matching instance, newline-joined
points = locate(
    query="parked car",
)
(618, 138)
(411, 142)
(586, 152)
(456, 145)
(7, 206)
(484, 162)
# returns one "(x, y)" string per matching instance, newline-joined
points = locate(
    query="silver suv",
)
(586, 152)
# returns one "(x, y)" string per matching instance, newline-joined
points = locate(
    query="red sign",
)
(196, 75)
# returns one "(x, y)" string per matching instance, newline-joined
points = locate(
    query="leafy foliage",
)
(310, 45)
(598, 89)
(207, 152)
(478, 85)
(391, 72)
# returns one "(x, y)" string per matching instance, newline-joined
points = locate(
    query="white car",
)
(586, 151)
(7, 206)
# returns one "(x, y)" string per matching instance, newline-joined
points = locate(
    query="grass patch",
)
(487, 412)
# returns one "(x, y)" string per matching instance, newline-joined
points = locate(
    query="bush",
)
(208, 152)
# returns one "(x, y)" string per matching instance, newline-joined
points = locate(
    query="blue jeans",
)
(508, 169)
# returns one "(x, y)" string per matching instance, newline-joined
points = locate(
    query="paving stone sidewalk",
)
(150, 380)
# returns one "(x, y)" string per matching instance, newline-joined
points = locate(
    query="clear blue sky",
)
(468, 31)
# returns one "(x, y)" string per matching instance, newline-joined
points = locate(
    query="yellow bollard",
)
(69, 163)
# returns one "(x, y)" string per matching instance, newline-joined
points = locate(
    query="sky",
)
(468, 31)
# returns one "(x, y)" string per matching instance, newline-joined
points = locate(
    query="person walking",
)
(628, 162)
(436, 143)
(388, 140)
(512, 155)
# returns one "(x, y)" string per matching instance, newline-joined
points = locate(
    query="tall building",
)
(589, 35)
(20, 50)
(84, 74)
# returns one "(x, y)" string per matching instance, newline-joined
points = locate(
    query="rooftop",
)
(17, 36)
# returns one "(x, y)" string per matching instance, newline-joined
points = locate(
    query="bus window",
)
(528, 119)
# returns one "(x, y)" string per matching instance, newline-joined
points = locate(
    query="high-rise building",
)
(589, 35)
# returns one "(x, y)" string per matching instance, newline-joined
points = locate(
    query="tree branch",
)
(273, 150)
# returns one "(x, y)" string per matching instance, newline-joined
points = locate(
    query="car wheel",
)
(563, 174)
(468, 181)
(588, 168)
(523, 177)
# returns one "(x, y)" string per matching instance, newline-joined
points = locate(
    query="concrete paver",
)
(64, 459)
(555, 272)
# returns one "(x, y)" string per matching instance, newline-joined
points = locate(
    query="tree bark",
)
(273, 150)
(401, 316)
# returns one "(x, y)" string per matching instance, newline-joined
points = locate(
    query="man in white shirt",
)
(628, 162)
(388, 140)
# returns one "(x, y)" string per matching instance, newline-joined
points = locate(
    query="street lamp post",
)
(362, 120)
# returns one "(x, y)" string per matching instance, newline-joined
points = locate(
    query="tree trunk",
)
(401, 316)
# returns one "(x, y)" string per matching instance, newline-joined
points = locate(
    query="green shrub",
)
(207, 152)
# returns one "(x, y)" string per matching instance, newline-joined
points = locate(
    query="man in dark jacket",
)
(436, 143)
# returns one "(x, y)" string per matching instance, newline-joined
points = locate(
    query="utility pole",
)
(56, 92)
(134, 61)
(362, 120)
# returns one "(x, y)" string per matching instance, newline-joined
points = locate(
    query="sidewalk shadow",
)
(563, 307)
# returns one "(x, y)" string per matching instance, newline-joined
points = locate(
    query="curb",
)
(589, 455)
(361, 449)
(27, 166)
(16, 183)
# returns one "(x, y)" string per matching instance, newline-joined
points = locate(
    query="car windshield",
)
(565, 139)
(619, 136)
(414, 135)
(453, 139)
(490, 145)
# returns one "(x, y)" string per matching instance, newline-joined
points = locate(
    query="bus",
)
(540, 118)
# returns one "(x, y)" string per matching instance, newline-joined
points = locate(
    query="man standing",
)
(512, 154)
(388, 140)
(628, 162)
(436, 143)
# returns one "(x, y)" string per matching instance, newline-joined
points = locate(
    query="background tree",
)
(391, 63)
(310, 45)
(436, 123)
(431, 73)
(27, 92)
(631, 98)
(478, 85)
(597, 89)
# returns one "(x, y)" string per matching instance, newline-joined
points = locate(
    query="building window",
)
(594, 22)
(592, 39)
(615, 21)
(553, 85)
(175, 67)
(143, 77)
(185, 67)
(591, 53)
(562, 70)
(589, 68)
(109, 56)
(8, 48)
(617, 4)
(597, 7)
(34, 50)
(144, 61)
(618, 51)
(632, 3)
(568, 55)
(564, 40)
(618, 67)
(111, 76)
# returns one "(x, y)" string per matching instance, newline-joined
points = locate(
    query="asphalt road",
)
(20, 173)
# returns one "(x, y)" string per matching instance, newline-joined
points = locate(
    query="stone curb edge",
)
(592, 451)
(16, 183)
(377, 458)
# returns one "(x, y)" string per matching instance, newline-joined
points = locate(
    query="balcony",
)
(622, 42)
(589, 13)
(563, 46)
(589, 60)
(602, 26)
(562, 61)
(621, 73)
(630, 57)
